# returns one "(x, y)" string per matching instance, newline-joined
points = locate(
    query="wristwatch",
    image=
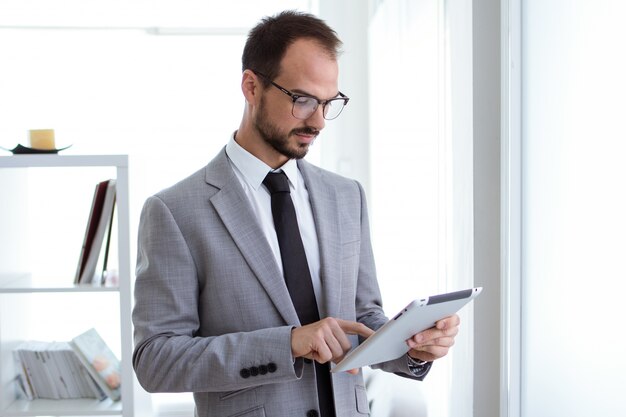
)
(415, 362)
(417, 367)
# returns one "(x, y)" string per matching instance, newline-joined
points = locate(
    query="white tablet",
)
(389, 342)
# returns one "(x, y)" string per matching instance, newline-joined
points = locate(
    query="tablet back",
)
(389, 342)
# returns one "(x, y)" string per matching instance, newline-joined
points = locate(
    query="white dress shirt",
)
(251, 172)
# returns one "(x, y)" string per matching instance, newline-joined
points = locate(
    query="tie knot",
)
(277, 182)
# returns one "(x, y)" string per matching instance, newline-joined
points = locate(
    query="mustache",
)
(305, 131)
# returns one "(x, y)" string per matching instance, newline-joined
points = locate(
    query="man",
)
(256, 273)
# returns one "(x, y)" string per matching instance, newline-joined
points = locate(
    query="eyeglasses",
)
(305, 106)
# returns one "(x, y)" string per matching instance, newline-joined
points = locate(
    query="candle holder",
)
(23, 150)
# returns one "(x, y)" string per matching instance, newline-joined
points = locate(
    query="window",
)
(421, 171)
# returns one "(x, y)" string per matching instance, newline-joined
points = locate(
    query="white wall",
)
(346, 139)
(573, 208)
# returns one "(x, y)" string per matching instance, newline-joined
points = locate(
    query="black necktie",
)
(297, 274)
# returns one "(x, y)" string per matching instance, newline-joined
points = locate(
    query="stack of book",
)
(93, 263)
(85, 367)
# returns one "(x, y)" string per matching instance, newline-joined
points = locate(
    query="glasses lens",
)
(304, 107)
(333, 108)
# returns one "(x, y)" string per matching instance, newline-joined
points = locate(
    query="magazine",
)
(100, 362)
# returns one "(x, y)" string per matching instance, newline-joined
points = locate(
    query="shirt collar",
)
(254, 170)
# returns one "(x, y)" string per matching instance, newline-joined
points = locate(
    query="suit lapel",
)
(234, 209)
(325, 209)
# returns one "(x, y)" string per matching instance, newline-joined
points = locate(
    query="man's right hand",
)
(326, 340)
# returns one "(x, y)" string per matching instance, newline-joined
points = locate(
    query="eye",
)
(305, 101)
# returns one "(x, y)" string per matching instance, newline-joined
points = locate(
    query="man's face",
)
(306, 69)
(284, 142)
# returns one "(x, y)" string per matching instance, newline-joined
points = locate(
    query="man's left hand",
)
(435, 342)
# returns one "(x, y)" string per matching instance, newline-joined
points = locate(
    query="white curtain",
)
(421, 171)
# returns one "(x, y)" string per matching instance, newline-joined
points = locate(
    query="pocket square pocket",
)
(258, 411)
(230, 394)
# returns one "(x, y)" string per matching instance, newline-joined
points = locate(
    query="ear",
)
(251, 87)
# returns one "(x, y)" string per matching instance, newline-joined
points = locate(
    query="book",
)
(76, 376)
(29, 372)
(22, 379)
(92, 225)
(106, 269)
(37, 366)
(55, 380)
(60, 371)
(99, 361)
(52, 370)
(98, 226)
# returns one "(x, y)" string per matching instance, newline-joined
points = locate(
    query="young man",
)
(256, 273)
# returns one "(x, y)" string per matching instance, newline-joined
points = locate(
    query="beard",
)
(273, 136)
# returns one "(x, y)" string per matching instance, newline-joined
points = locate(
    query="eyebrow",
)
(304, 93)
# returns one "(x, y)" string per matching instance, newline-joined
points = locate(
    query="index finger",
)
(450, 321)
(352, 327)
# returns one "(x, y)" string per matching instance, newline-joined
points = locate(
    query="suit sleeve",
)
(168, 357)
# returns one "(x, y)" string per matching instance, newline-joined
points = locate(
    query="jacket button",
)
(312, 413)
(245, 373)
(263, 369)
(307, 360)
(254, 371)
(271, 367)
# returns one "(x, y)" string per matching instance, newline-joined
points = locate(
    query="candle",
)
(42, 139)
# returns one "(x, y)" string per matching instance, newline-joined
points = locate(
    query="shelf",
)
(10, 284)
(80, 407)
(46, 160)
(35, 297)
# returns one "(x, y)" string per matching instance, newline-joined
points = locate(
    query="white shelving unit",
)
(32, 304)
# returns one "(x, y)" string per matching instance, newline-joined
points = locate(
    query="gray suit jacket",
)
(212, 312)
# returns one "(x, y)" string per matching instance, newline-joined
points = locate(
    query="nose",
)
(316, 120)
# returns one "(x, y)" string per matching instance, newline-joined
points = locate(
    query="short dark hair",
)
(269, 39)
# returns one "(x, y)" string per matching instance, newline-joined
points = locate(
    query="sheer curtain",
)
(421, 170)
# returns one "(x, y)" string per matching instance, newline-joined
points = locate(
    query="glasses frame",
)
(295, 97)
